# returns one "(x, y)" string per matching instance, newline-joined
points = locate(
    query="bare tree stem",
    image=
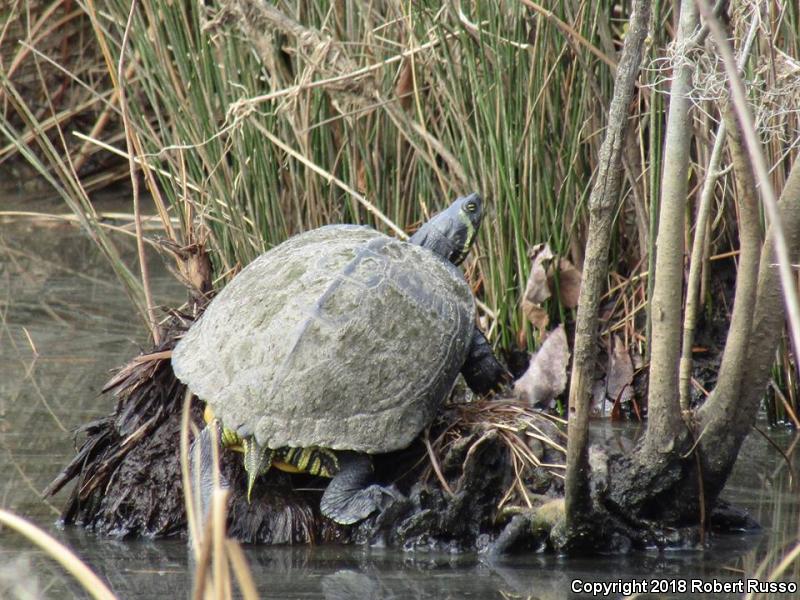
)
(664, 416)
(602, 207)
(753, 145)
(696, 266)
(700, 236)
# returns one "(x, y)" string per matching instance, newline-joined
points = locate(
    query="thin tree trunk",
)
(602, 207)
(732, 370)
(693, 298)
(698, 260)
(727, 417)
(664, 414)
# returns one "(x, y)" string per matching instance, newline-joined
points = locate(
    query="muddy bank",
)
(460, 483)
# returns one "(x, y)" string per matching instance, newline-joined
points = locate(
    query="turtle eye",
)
(471, 207)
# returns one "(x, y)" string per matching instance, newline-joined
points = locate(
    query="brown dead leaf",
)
(404, 88)
(199, 271)
(522, 338)
(546, 376)
(569, 282)
(537, 289)
(535, 314)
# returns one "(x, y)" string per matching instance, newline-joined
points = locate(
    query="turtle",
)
(337, 344)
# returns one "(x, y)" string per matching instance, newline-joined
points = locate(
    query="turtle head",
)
(451, 233)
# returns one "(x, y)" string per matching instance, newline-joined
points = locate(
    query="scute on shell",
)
(340, 337)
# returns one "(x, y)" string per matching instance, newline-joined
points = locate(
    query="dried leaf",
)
(405, 84)
(535, 314)
(546, 377)
(569, 282)
(536, 289)
(199, 271)
(522, 338)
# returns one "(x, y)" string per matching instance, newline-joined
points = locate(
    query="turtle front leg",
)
(349, 498)
(257, 461)
(482, 371)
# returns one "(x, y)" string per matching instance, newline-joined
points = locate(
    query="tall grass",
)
(497, 101)
(252, 134)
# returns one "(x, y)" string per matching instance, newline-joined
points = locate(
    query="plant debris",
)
(477, 460)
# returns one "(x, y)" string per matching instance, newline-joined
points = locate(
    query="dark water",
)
(65, 322)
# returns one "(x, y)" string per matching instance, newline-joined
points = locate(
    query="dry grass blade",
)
(216, 557)
(241, 570)
(331, 178)
(516, 424)
(571, 32)
(435, 465)
(192, 522)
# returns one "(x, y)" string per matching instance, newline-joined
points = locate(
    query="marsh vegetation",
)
(652, 146)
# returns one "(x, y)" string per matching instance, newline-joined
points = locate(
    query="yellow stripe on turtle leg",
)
(285, 460)
(304, 458)
(329, 462)
(229, 438)
(257, 461)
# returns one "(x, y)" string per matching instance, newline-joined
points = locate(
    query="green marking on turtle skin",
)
(471, 231)
(229, 438)
(259, 459)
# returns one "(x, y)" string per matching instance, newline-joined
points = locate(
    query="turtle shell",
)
(340, 337)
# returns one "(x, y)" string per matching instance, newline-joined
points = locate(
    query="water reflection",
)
(64, 323)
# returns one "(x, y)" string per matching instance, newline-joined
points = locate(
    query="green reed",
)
(505, 98)
(501, 93)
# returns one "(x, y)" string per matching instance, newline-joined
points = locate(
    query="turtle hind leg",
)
(349, 497)
(482, 371)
